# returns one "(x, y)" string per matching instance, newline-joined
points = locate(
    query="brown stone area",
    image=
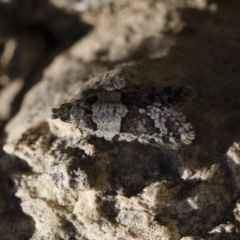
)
(57, 182)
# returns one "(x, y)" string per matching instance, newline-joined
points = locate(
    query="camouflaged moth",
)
(150, 116)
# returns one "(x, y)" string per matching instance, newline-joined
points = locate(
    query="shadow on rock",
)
(42, 31)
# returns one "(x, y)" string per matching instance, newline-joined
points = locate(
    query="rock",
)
(82, 187)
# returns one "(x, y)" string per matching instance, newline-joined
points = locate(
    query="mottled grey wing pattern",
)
(149, 116)
(166, 97)
(154, 118)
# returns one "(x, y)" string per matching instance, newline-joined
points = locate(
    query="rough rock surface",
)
(59, 183)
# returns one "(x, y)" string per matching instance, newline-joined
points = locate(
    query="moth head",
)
(63, 112)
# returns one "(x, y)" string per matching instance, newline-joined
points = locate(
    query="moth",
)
(150, 116)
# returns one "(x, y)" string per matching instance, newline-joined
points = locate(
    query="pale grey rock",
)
(191, 238)
(7, 96)
(88, 188)
(237, 212)
(234, 163)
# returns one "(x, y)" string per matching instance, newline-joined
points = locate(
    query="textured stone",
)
(82, 187)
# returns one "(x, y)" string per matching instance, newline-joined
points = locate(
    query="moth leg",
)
(115, 138)
(80, 131)
(119, 144)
